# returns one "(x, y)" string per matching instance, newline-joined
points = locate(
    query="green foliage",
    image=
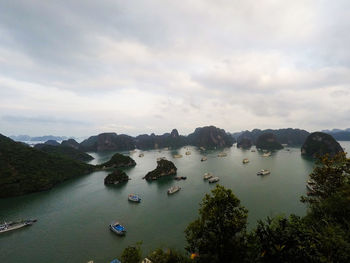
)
(132, 254)
(219, 232)
(168, 256)
(65, 151)
(118, 161)
(25, 170)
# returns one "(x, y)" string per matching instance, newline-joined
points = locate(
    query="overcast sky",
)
(79, 68)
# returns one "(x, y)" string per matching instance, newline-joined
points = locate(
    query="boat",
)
(207, 176)
(134, 198)
(204, 159)
(178, 178)
(214, 179)
(117, 228)
(222, 154)
(177, 156)
(263, 172)
(188, 153)
(267, 154)
(245, 160)
(173, 190)
(9, 226)
(141, 155)
(202, 148)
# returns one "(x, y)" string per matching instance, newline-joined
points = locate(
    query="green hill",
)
(64, 151)
(25, 170)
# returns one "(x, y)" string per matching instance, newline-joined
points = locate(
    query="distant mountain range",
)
(338, 134)
(27, 138)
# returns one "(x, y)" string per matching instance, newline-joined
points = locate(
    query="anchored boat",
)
(214, 179)
(263, 172)
(117, 228)
(245, 160)
(173, 190)
(204, 159)
(9, 226)
(134, 198)
(207, 176)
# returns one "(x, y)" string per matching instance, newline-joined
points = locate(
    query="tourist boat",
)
(204, 159)
(245, 160)
(117, 228)
(207, 176)
(141, 155)
(222, 154)
(214, 179)
(263, 172)
(9, 226)
(134, 198)
(188, 153)
(173, 190)
(177, 156)
(267, 154)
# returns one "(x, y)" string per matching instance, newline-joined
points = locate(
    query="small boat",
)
(207, 176)
(223, 154)
(252, 151)
(177, 156)
(178, 178)
(214, 179)
(173, 190)
(204, 159)
(267, 154)
(134, 198)
(263, 172)
(188, 153)
(9, 226)
(141, 155)
(117, 228)
(245, 160)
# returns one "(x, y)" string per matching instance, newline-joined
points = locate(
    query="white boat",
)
(245, 160)
(223, 154)
(134, 198)
(177, 156)
(214, 179)
(188, 153)
(266, 154)
(207, 176)
(173, 190)
(9, 226)
(204, 159)
(263, 172)
(253, 150)
(141, 155)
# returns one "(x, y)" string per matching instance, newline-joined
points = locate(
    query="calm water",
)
(73, 217)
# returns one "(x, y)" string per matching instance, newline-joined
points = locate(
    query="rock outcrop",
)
(244, 143)
(268, 141)
(116, 177)
(71, 143)
(210, 137)
(108, 142)
(319, 143)
(164, 168)
(118, 161)
(24, 169)
(171, 140)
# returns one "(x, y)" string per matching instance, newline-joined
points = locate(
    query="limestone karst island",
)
(174, 131)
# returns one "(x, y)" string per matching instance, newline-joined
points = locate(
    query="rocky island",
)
(268, 141)
(164, 168)
(319, 143)
(210, 137)
(116, 177)
(244, 143)
(118, 161)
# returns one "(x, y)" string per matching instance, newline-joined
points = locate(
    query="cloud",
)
(157, 65)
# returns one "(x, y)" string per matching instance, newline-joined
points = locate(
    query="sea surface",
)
(73, 217)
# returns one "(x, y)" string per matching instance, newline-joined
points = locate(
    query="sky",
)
(84, 67)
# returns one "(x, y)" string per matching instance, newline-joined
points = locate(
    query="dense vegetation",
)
(319, 143)
(118, 160)
(25, 170)
(219, 234)
(64, 151)
(164, 168)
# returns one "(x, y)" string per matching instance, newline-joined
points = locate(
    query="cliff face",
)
(268, 141)
(164, 168)
(210, 137)
(292, 137)
(25, 170)
(108, 142)
(173, 140)
(319, 143)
